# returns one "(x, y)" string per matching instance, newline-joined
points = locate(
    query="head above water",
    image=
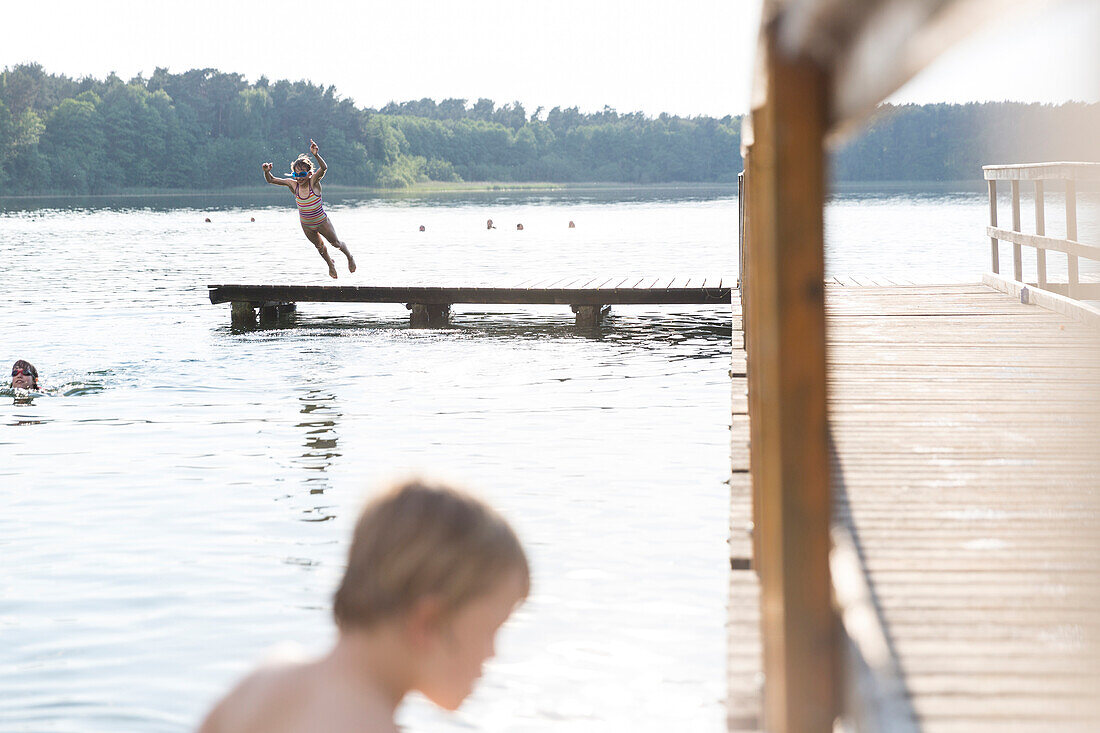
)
(420, 540)
(24, 375)
(302, 166)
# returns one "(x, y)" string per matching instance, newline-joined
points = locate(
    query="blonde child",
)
(305, 183)
(432, 575)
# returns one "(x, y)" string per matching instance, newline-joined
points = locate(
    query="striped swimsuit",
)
(310, 209)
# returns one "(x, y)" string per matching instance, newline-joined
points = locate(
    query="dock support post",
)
(241, 313)
(790, 457)
(429, 315)
(590, 316)
(269, 313)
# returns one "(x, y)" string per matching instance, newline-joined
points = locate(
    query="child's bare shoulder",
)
(265, 700)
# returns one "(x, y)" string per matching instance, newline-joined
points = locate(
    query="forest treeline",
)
(208, 129)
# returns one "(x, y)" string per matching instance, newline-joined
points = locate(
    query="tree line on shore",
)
(206, 129)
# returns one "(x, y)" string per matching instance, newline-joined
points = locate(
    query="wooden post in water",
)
(996, 245)
(1017, 249)
(1041, 230)
(429, 315)
(242, 314)
(790, 459)
(1071, 233)
(590, 316)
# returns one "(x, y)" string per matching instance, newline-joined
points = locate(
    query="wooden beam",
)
(871, 48)
(1017, 250)
(1069, 171)
(473, 295)
(1067, 246)
(786, 279)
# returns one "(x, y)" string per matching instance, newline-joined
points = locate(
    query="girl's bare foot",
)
(332, 270)
(351, 260)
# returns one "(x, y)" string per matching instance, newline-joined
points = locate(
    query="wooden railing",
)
(1067, 175)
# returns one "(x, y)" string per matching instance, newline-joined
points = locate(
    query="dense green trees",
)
(208, 129)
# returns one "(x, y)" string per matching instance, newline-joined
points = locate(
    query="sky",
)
(687, 57)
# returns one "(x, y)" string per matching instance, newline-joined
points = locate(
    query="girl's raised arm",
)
(272, 179)
(321, 165)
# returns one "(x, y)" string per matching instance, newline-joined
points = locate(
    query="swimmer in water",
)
(24, 375)
(305, 183)
(431, 576)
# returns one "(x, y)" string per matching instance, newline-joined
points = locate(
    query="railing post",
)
(994, 244)
(1017, 249)
(1071, 233)
(790, 457)
(1041, 230)
(741, 232)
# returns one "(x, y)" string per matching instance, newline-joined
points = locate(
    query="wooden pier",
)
(589, 296)
(965, 464)
(915, 493)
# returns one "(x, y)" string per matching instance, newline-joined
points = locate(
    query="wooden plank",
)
(787, 361)
(472, 295)
(1039, 171)
(976, 517)
(1070, 247)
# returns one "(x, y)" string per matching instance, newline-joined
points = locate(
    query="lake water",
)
(182, 500)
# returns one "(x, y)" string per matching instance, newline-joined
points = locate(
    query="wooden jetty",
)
(915, 513)
(964, 454)
(589, 296)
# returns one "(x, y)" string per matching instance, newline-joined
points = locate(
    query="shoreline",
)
(430, 187)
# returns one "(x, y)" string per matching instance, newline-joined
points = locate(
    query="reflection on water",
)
(319, 423)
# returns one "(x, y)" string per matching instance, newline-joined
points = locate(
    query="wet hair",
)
(418, 540)
(29, 368)
(303, 158)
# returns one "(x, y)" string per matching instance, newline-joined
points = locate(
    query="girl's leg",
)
(316, 241)
(327, 231)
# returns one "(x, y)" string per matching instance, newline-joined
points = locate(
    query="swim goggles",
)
(25, 372)
(300, 174)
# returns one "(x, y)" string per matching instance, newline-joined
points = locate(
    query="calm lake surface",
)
(181, 500)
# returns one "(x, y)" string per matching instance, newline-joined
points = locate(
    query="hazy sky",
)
(684, 57)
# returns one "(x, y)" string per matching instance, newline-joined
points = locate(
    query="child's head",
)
(24, 375)
(444, 566)
(302, 164)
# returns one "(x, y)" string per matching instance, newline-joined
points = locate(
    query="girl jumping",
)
(306, 185)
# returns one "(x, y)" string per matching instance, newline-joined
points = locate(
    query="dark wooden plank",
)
(471, 295)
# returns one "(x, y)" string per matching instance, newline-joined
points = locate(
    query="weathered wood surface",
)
(554, 290)
(745, 655)
(966, 427)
